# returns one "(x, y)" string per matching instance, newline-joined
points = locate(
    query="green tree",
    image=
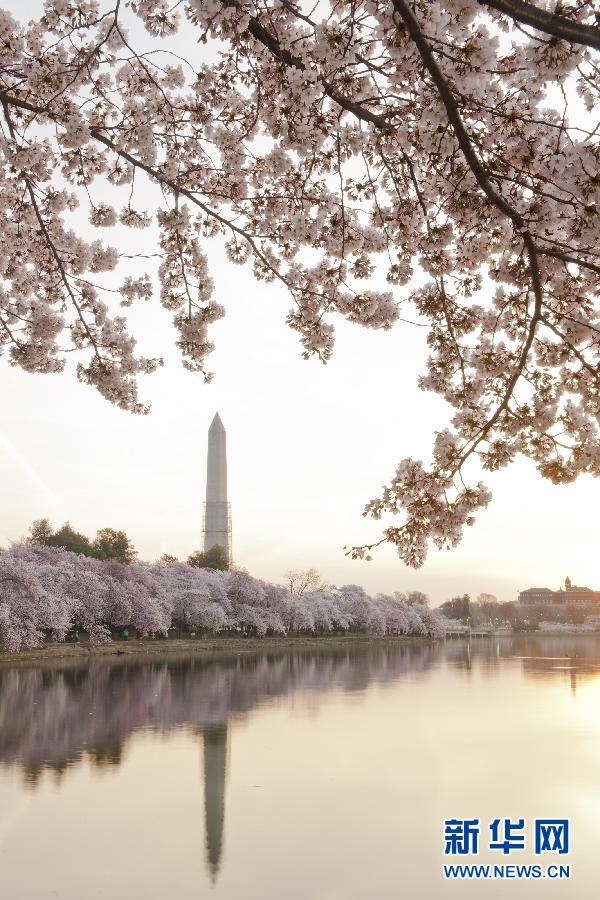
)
(40, 532)
(167, 559)
(108, 543)
(69, 539)
(215, 558)
(111, 544)
(457, 608)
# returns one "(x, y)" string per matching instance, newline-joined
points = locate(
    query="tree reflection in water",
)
(52, 718)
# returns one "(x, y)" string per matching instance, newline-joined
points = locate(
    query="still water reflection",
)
(317, 776)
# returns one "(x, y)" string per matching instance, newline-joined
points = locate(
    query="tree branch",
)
(261, 34)
(449, 101)
(98, 135)
(550, 23)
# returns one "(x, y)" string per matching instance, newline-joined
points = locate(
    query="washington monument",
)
(217, 516)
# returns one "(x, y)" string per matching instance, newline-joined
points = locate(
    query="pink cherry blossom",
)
(47, 591)
(446, 150)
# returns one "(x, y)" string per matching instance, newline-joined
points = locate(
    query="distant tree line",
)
(485, 610)
(112, 544)
(108, 543)
(488, 610)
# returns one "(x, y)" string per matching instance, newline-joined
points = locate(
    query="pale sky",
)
(308, 446)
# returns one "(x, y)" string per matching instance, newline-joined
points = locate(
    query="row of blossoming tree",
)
(46, 592)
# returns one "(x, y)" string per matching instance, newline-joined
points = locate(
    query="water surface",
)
(310, 776)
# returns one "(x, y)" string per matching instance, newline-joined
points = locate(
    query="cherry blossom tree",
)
(198, 597)
(46, 591)
(76, 580)
(431, 161)
(23, 605)
(324, 612)
(302, 580)
(133, 598)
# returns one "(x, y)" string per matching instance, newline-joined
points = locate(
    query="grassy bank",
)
(203, 647)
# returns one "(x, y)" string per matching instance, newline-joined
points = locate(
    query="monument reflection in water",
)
(56, 720)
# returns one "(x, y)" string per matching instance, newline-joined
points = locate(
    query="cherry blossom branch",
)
(595, 372)
(381, 140)
(157, 175)
(258, 31)
(50, 243)
(551, 23)
(478, 171)
(464, 141)
(565, 257)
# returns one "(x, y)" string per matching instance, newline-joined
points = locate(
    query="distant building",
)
(569, 597)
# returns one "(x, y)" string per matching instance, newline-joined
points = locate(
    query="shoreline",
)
(206, 648)
(215, 646)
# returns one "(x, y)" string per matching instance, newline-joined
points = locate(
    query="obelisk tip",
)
(217, 424)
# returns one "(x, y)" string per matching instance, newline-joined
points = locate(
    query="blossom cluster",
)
(47, 591)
